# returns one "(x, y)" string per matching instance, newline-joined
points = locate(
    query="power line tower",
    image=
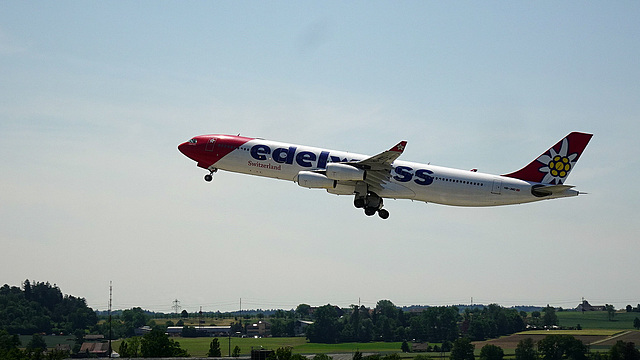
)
(176, 306)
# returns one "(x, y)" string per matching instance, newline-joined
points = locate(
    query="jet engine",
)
(345, 172)
(314, 180)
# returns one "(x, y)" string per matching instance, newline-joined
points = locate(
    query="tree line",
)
(42, 308)
(386, 322)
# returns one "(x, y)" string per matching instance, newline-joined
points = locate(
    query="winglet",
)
(399, 147)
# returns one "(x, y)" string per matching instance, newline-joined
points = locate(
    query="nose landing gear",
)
(372, 204)
(209, 176)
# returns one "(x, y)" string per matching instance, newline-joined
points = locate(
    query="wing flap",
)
(376, 179)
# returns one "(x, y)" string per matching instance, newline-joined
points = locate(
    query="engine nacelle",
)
(314, 180)
(344, 172)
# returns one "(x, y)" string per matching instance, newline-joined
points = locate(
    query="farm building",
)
(585, 306)
(94, 346)
(261, 328)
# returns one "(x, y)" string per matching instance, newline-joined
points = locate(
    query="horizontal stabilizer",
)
(546, 190)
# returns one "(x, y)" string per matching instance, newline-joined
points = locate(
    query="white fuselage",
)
(408, 180)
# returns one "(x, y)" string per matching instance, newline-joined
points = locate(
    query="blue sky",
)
(95, 97)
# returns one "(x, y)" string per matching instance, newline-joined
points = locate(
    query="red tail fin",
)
(555, 164)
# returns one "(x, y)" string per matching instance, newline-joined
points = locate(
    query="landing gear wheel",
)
(370, 211)
(209, 176)
(371, 203)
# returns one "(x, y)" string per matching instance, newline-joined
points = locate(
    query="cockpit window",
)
(193, 141)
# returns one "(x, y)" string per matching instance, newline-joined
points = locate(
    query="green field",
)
(50, 340)
(597, 320)
(200, 346)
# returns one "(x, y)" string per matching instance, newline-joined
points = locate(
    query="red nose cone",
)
(207, 150)
(183, 148)
(188, 149)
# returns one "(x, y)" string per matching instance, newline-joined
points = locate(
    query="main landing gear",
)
(372, 204)
(209, 176)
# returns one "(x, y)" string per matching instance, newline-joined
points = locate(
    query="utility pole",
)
(200, 318)
(110, 333)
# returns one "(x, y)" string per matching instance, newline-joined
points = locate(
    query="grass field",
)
(597, 320)
(50, 340)
(200, 346)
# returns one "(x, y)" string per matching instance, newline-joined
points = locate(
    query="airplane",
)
(370, 179)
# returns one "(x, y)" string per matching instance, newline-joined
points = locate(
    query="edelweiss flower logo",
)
(558, 164)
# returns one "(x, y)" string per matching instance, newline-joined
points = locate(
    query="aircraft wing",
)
(379, 166)
(383, 160)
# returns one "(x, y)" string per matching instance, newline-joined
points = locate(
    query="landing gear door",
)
(210, 145)
(497, 187)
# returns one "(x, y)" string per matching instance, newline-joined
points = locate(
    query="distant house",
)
(142, 330)
(585, 306)
(95, 349)
(260, 329)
